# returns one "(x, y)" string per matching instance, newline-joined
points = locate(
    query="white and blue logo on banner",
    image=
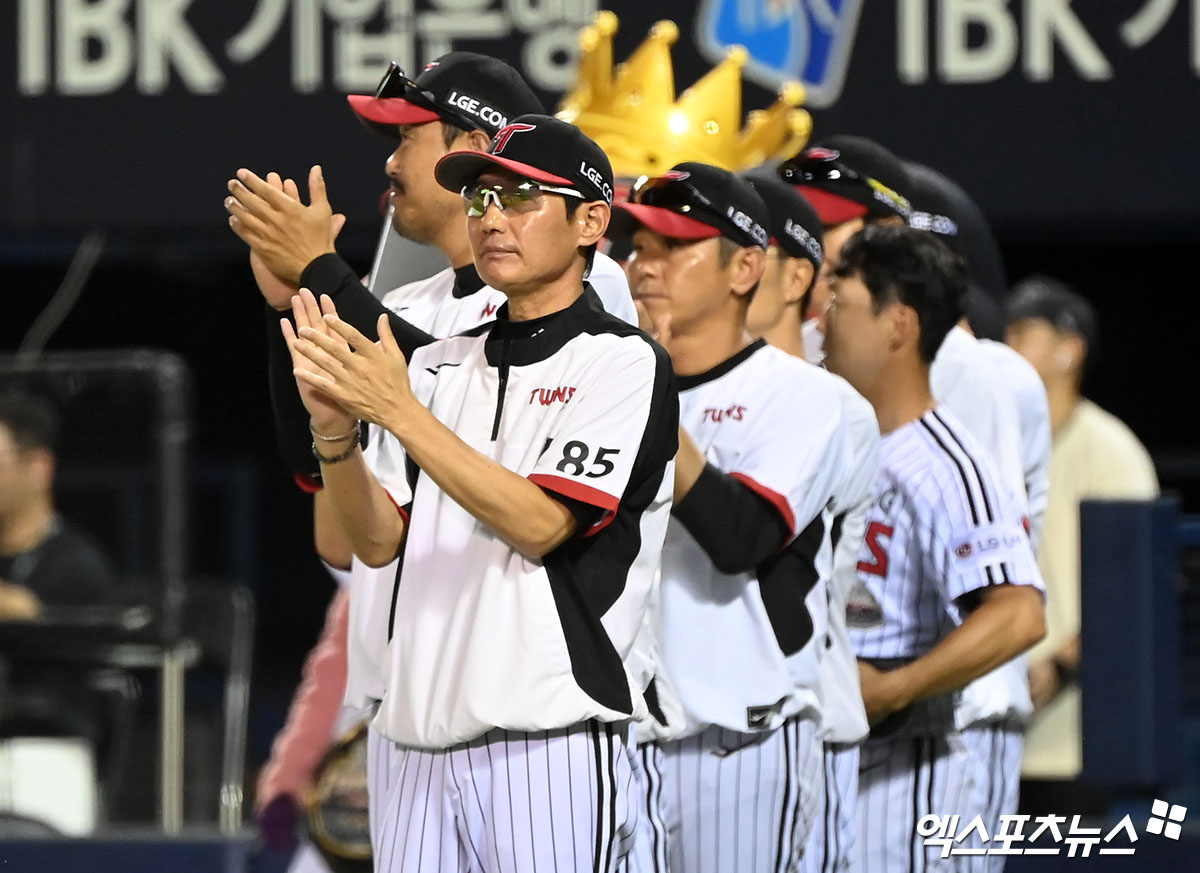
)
(809, 40)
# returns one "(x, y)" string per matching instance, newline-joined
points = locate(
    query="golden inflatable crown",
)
(634, 117)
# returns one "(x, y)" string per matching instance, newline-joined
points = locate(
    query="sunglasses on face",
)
(808, 169)
(517, 198)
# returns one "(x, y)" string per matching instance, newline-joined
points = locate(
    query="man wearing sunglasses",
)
(851, 181)
(733, 774)
(457, 102)
(532, 460)
(796, 234)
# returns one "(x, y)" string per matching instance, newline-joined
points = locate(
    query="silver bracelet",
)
(335, 439)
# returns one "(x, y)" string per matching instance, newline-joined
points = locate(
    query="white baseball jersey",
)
(814, 341)
(724, 651)
(482, 637)
(941, 526)
(966, 380)
(976, 383)
(445, 304)
(843, 717)
(1033, 413)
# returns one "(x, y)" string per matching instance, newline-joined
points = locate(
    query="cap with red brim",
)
(390, 110)
(832, 208)
(457, 170)
(666, 222)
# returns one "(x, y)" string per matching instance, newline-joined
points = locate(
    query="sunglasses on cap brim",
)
(395, 84)
(817, 169)
(673, 193)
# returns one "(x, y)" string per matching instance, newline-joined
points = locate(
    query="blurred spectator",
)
(45, 562)
(1095, 456)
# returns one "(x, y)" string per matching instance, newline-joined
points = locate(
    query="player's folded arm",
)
(1022, 610)
(739, 523)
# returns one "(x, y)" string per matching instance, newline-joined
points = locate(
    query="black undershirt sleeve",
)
(737, 529)
(356, 305)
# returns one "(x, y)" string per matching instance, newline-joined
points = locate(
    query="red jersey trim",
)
(582, 493)
(400, 509)
(773, 497)
(308, 484)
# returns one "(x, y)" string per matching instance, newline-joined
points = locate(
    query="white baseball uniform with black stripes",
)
(994, 710)
(843, 718)
(737, 776)
(942, 526)
(447, 303)
(507, 691)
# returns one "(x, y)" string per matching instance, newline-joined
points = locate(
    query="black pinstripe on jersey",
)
(974, 478)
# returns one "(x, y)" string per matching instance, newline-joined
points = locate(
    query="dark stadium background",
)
(173, 277)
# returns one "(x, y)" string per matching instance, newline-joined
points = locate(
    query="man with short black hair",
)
(523, 468)
(796, 235)
(734, 771)
(999, 398)
(948, 588)
(45, 562)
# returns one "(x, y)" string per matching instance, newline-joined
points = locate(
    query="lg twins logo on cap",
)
(504, 134)
(479, 109)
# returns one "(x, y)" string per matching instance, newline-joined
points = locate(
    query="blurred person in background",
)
(44, 560)
(1095, 456)
(46, 565)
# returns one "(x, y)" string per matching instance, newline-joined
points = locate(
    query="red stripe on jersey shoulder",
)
(584, 494)
(773, 497)
(400, 509)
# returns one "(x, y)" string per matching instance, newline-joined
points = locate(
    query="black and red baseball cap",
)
(537, 147)
(469, 90)
(942, 207)
(694, 201)
(791, 220)
(846, 177)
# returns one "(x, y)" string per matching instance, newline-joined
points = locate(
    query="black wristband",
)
(336, 459)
